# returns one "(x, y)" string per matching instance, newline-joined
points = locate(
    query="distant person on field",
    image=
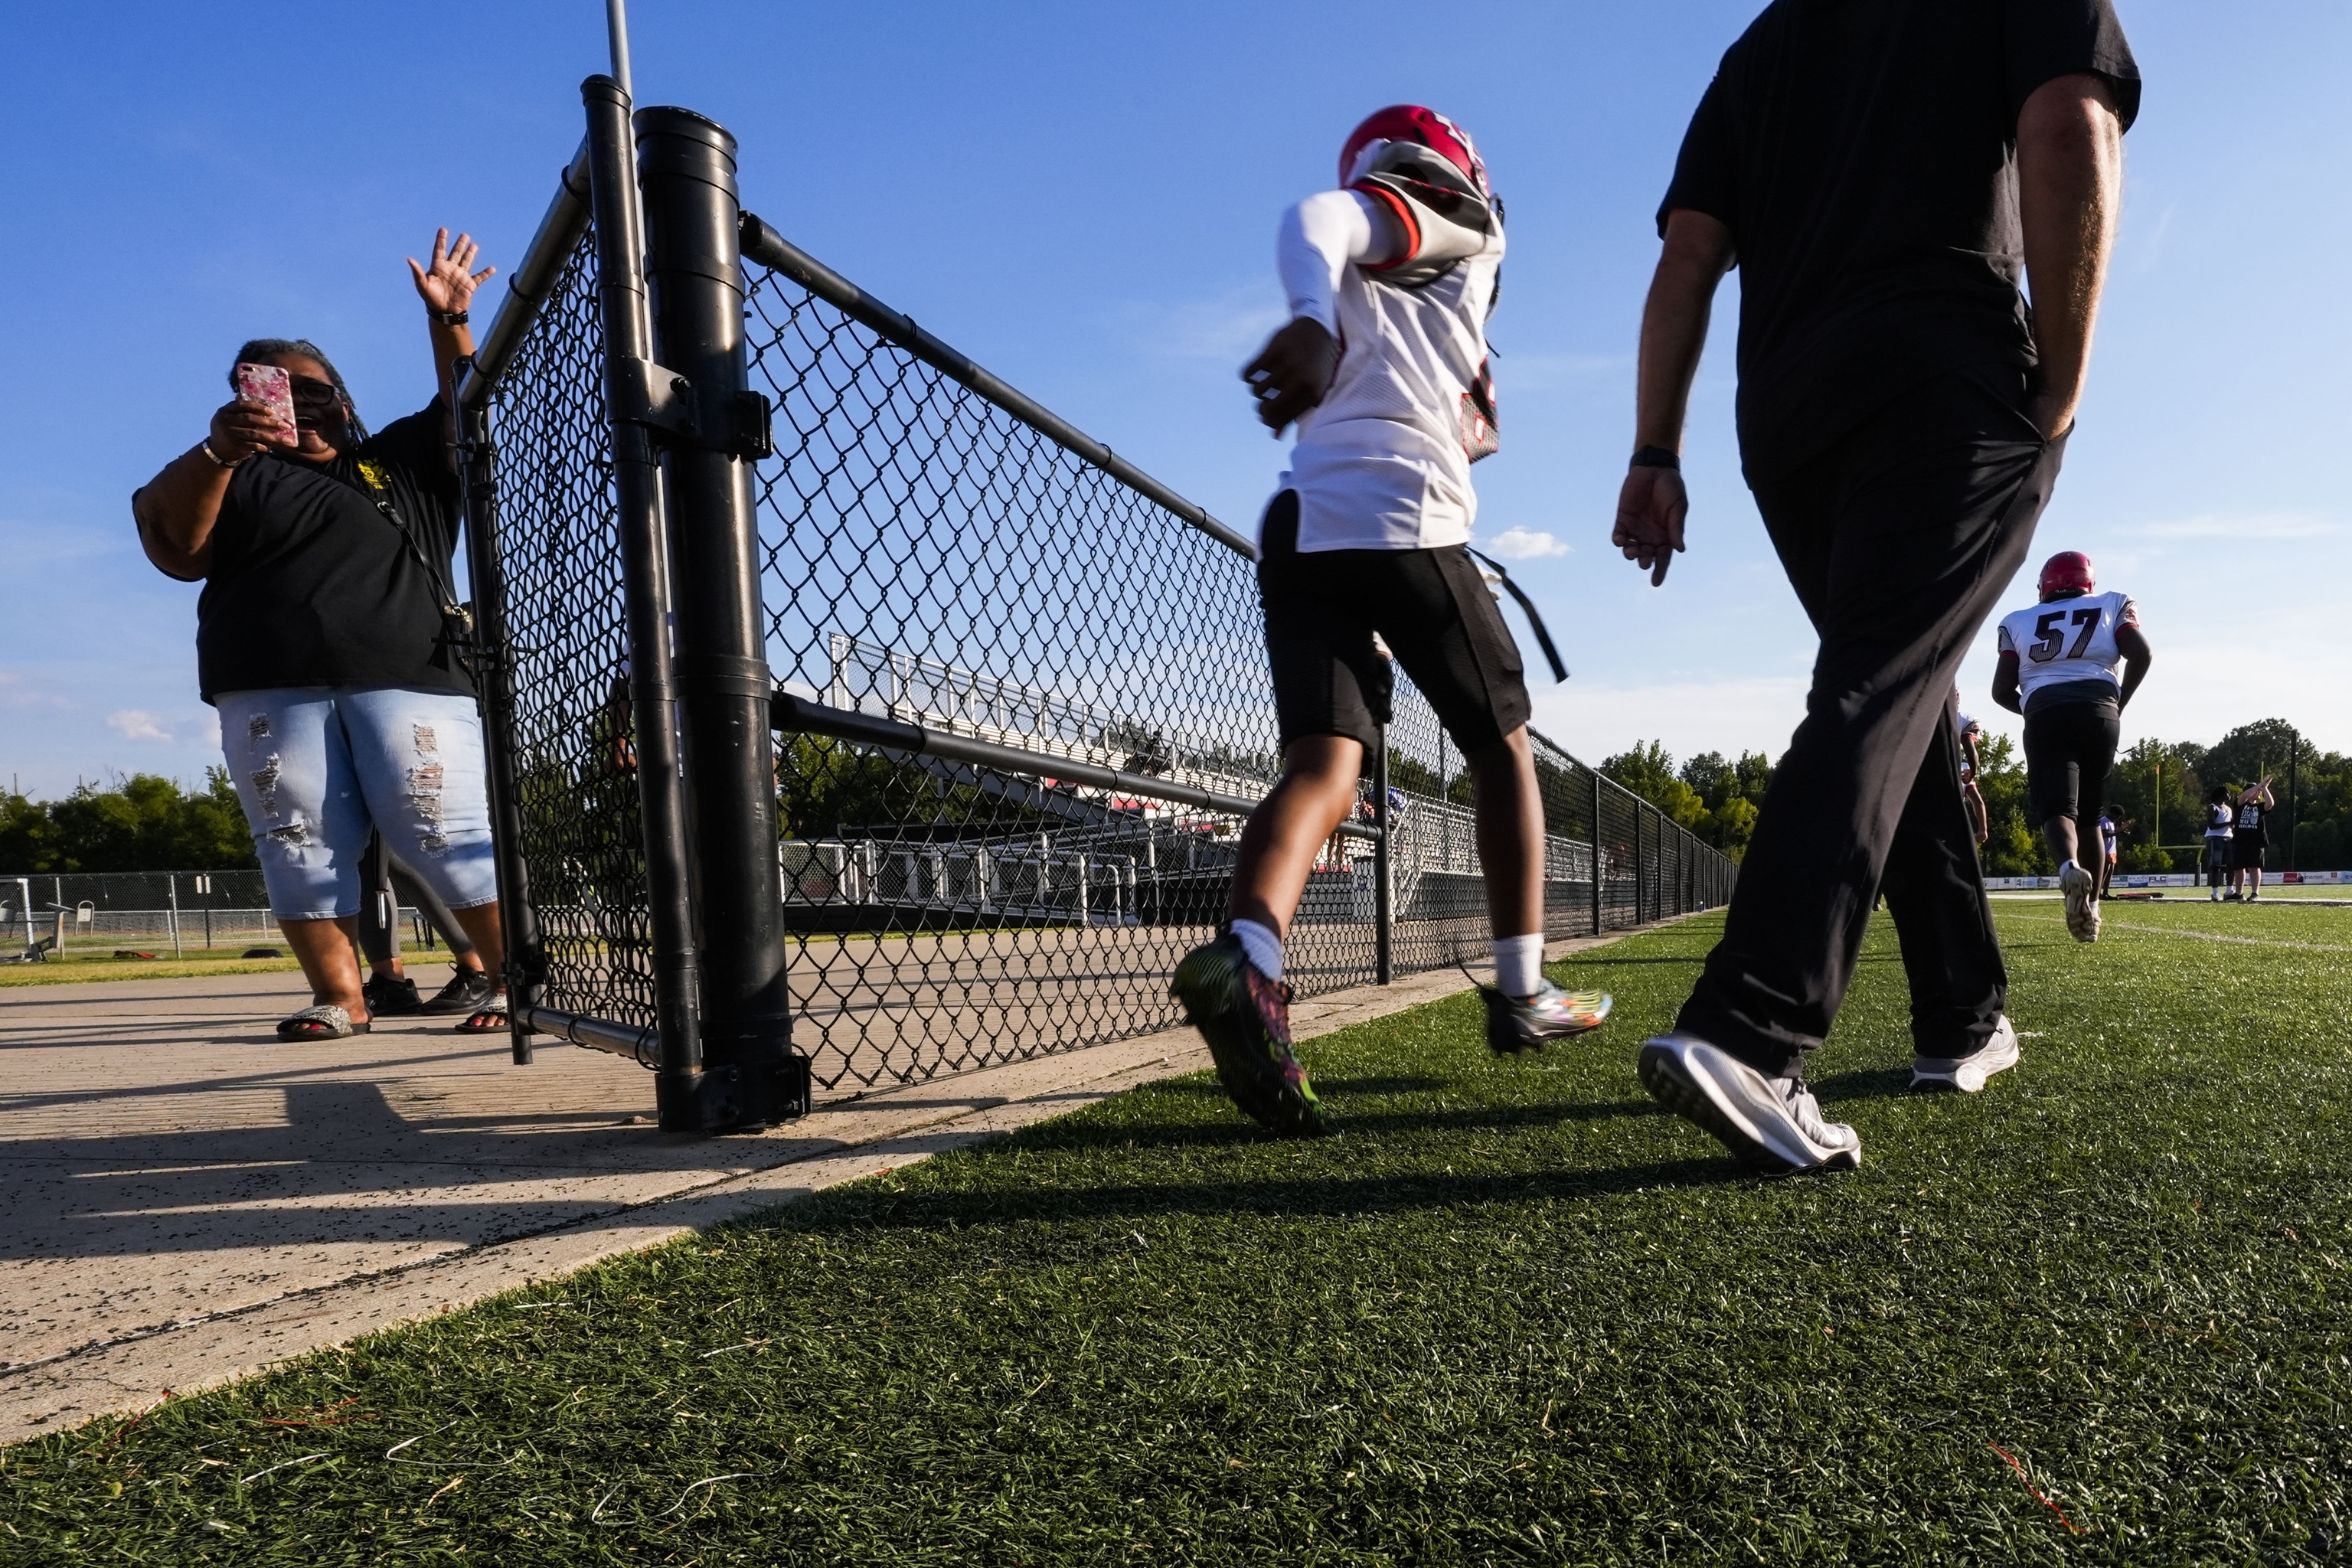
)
(2250, 838)
(1971, 765)
(2220, 822)
(1390, 278)
(329, 638)
(2111, 821)
(2070, 664)
(1884, 176)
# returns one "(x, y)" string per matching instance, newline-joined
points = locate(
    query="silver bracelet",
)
(205, 447)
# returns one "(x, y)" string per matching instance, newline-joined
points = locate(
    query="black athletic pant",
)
(1899, 539)
(387, 885)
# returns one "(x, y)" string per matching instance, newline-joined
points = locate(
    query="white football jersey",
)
(1383, 462)
(2067, 640)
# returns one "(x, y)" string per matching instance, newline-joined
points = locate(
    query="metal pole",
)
(2294, 807)
(526, 952)
(644, 569)
(616, 34)
(1383, 886)
(173, 882)
(1598, 914)
(687, 167)
(1641, 872)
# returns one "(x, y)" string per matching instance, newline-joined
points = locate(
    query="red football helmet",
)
(1426, 127)
(2068, 572)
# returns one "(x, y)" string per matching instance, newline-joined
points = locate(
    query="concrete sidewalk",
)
(192, 1201)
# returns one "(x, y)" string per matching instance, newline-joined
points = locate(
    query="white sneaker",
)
(1772, 1124)
(1967, 1074)
(2082, 891)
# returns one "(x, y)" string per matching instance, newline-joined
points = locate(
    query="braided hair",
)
(258, 349)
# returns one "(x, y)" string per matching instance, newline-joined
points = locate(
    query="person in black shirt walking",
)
(1884, 176)
(328, 638)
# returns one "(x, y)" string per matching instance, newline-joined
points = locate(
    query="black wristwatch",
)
(1655, 458)
(450, 318)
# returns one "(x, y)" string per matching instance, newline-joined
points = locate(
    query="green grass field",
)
(87, 960)
(1510, 1314)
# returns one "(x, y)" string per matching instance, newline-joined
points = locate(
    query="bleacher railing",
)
(1018, 687)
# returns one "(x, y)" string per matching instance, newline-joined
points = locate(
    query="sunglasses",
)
(315, 401)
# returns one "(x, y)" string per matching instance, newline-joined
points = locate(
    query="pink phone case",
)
(270, 385)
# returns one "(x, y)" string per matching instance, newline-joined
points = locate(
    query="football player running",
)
(1383, 368)
(2255, 803)
(2111, 818)
(2070, 664)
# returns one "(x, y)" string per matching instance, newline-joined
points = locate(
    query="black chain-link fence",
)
(1025, 704)
(566, 660)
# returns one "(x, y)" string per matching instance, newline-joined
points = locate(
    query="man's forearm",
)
(1697, 252)
(2070, 190)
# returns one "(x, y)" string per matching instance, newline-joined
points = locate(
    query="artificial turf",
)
(1509, 1314)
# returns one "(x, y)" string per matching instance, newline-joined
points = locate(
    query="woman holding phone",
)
(328, 638)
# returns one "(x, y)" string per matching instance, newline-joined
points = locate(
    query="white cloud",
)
(138, 725)
(1516, 544)
(2245, 526)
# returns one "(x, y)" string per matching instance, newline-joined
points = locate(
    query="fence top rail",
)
(762, 244)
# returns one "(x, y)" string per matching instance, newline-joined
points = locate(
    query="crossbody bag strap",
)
(1543, 634)
(435, 578)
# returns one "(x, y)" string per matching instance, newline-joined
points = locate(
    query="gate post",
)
(645, 573)
(694, 268)
(1383, 889)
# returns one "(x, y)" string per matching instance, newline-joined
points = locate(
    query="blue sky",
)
(1083, 197)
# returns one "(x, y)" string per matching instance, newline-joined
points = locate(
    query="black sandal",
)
(490, 1018)
(324, 1022)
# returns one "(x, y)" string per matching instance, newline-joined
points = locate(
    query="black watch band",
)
(452, 318)
(1655, 458)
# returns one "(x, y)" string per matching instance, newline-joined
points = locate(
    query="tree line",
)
(2158, 790)
(148, 823)
(143, 823)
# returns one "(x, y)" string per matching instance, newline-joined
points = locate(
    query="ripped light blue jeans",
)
(317, 766)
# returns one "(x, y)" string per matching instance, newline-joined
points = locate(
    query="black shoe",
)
(467, 991)
(390, 998)
(1514, 1028)
(1245, 1018)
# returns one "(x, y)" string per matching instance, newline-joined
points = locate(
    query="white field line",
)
(2200, 935)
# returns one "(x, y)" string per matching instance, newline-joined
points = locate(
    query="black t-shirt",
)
(1863, 153)
(2249, 818)
(311, 586)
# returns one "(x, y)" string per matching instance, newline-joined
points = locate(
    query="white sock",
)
(1264, 948)
(2064, 866)
(1518, 964)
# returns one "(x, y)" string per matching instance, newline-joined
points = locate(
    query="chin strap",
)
(1543, 636)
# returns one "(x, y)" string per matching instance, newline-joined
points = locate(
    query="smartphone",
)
(268, 385)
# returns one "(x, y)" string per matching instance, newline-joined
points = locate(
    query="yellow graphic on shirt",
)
(372, 475)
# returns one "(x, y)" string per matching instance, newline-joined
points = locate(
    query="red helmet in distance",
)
(1424, 127)
(2065, 573)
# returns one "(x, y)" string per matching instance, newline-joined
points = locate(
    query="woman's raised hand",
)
(449, 284)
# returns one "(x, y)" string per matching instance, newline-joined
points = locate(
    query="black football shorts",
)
(1431, 608)
(2069, 749)
(2246, 850)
